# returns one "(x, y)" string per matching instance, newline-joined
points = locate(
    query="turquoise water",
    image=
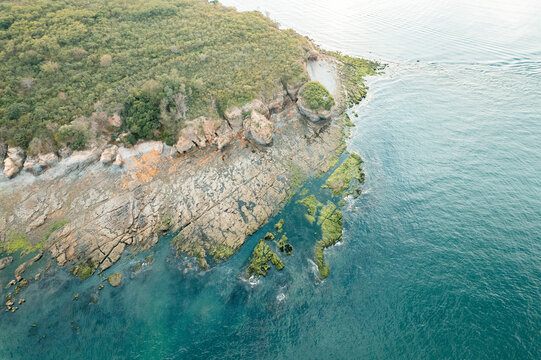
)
(441, 256)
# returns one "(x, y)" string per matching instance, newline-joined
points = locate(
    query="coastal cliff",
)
(218, 182)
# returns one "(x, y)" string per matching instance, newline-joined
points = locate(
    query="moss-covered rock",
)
(261, 256)
(330, 219)
(223, 252)
(279, 225)
(284, 246)
(84, 270)
(115, 279)
(348, 176)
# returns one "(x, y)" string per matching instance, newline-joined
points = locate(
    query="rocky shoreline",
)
(217, 185)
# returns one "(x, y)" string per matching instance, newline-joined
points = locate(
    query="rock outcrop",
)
(313, 115)
(258, 128)
(212, 199)
(38, 164)
(5, 262)
(13, 162)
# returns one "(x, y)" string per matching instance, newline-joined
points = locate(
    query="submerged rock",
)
(5, 262)
(115, 279)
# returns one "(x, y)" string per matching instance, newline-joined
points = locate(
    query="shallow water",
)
(441, 256)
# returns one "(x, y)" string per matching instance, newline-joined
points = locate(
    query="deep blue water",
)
(441, 255)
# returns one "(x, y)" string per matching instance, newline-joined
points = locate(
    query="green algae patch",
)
(311, 204)
(347, 178)
(20, 285)
(16, 241)
(19, 242)
(330, 220)
(316, 96)
(259, 263)
(353, 71)
(85, 270)
(279, 225)
(269, 236)
(222, 252)
(284, 246)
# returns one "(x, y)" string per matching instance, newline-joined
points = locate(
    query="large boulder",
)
(256, 105)
(258, 128)
(234, 117)
(184, 145)
(14, 162)
(48, 160)
(313, 115)
(315, 102)
(109, 155)
(224, 136)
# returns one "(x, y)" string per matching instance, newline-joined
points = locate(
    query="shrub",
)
(17, 110)
(106, 60)
(142, 114)
(74, 137)
(316, 96)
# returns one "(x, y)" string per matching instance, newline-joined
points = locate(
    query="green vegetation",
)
(261, 256)
(354, 71)
(330, 220)
(312, 205)
(269, 236)
(85, 269)
(279, 225)
(341, 179)
(20, 285)
(284, 246)
(222, 252)
(63, 63)
(316, 96)
(19, 242)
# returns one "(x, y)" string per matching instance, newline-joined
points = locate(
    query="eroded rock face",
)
(14, 162)
(258, 128)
